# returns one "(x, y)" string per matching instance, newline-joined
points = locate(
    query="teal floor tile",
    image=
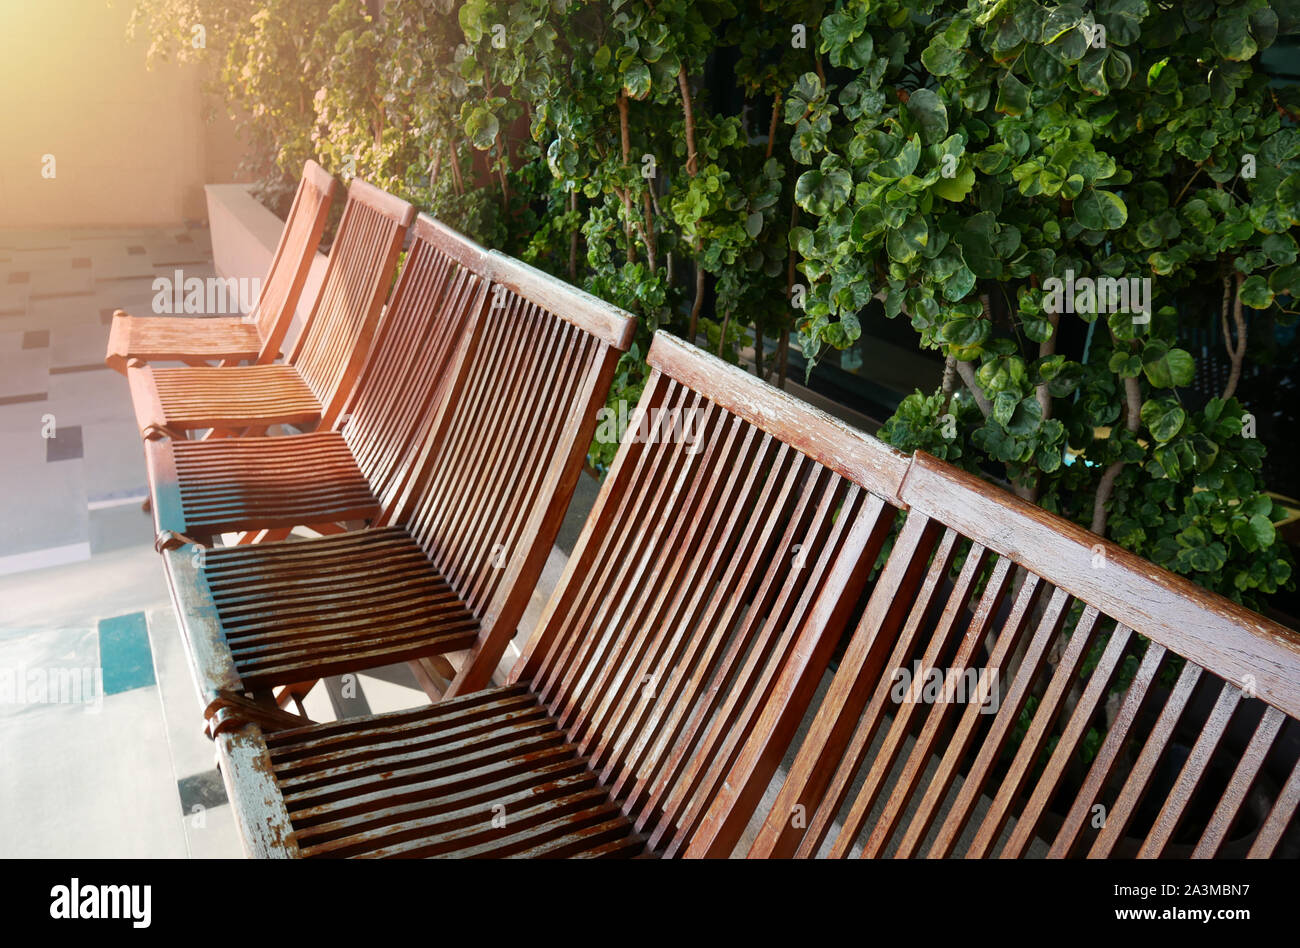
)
(124, 653)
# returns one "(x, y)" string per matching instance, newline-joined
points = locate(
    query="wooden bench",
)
(1196, 756)
(450, 567)
(358, 467)
(730, 539)
(311, 387)
(256, 336)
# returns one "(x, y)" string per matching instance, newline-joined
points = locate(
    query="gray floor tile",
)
(66, 444)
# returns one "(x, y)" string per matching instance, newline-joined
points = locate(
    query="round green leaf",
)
(1255, 292)
(1100, 210)
(1163, 418)
(482, 128)
(931, 115)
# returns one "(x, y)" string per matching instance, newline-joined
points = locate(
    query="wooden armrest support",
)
(118, 342)
(228, 710)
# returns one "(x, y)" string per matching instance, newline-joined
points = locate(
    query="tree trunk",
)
(967, 373)
(573, 238)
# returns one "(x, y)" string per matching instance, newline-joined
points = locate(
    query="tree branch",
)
(626, 139)
(688, 111)
(949, 383)
(1238, 353)
(771, 128)
(1106, 487)
(1047, 348)
(967, 373)
(573, 238)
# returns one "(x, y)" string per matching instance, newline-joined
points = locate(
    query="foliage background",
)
(743, 171)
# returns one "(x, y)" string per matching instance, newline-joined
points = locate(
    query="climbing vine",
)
(995, 172)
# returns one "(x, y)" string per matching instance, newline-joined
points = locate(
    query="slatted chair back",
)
(732, 533)
(278, 298)
(336, 339)
(1086, 702)
(440, 291)
(507, 446)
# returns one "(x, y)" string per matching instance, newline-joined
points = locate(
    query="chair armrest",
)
(150, 418)
(211, 664)
(261, 817)
(164, 488)
(119, 341)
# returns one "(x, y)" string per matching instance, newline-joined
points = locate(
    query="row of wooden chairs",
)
(708, 596)
(466, 427)
(743, 547)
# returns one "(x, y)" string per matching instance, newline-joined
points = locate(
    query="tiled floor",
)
(92, 762)
(101, 752)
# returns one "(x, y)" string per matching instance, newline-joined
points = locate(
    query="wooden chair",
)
(1036, 620)
(255, 337)
(732, 534)
(451, 567)
(311, 387)
(359, 466)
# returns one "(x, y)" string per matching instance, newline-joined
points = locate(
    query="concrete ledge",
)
(244, 236)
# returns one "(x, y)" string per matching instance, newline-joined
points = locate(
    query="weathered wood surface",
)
(256, 336)
(1043, 615)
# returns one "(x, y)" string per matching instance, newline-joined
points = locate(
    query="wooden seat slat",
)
(365, 733)
(1192, 772)
(1279, 817)
(446, 812)
(938, 645)
(1216, 830)
(1139, 777)
(518, 720)
(415, 761)
(453, 791)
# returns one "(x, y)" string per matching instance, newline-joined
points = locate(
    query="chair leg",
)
(328, 529)
(262, 536)
(434, 674)
(295, 693)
